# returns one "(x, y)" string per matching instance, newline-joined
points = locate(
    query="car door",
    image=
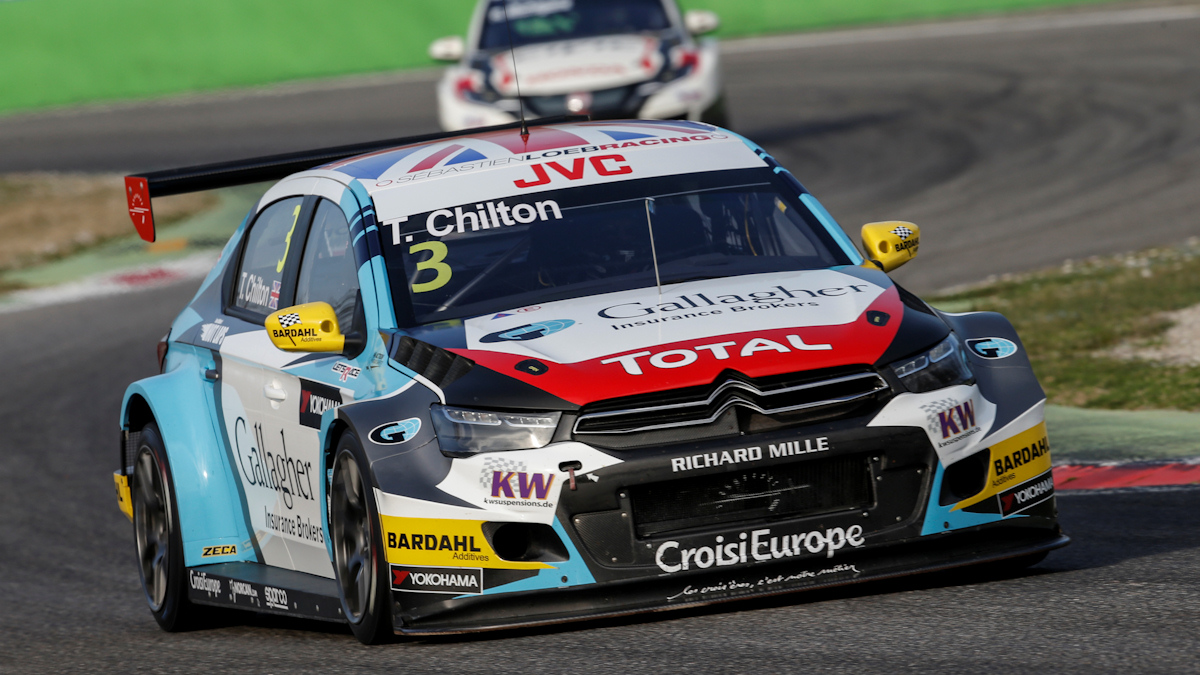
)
(313, 384)
(278, 473)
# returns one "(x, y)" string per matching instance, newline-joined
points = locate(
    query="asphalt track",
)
(1012, 149)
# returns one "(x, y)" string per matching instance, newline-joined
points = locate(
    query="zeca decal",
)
(720, 351)
(392, 433)
(214, 551)
(756, 546)
(601, 165)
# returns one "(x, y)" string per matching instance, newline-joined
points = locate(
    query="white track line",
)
(193, 267)
(991, 26)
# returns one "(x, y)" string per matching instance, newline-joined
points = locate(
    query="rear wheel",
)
(358, 560)
(156, 530)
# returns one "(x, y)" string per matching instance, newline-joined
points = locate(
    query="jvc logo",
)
(529, 485)
(957, 419)
(604, 165)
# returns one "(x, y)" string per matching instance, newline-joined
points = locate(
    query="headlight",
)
(468, 432)
(942, 366)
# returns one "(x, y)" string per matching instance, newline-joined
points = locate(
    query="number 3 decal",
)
(439, 251)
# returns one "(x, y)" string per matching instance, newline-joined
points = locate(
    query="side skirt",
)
(271, 590)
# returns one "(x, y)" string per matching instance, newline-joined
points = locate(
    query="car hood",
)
(633, 342)
(569, 66)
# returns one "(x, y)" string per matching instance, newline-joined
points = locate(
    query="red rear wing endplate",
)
(140, 188)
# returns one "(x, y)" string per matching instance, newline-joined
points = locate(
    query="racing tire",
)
(156, 532)
(358, 554)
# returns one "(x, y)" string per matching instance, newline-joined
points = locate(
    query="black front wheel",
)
(358, 558)
(156, 530)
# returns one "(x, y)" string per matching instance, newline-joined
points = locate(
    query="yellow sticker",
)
(295, 219)
(1014, 461)
(214, 551)
(439, 251)
(439, 542)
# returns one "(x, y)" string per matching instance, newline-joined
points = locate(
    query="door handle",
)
(274, 393)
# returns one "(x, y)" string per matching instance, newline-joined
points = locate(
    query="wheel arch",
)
(180, 403)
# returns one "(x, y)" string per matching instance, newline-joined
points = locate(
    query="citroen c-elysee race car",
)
(496, 379)
(604, 58)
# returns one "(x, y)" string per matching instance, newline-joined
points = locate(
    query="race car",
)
(607, 59)
(519, 376)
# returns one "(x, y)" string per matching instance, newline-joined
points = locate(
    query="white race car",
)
(610, 59)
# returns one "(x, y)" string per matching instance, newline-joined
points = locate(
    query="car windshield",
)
(535, 21)
(472, 259)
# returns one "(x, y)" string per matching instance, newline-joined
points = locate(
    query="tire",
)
(156, 532)
(358, 554)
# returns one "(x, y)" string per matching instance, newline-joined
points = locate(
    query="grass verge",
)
(63, 52)
(1071, 319)
(48, 216)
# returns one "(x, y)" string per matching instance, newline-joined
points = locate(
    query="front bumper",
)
(644, 534)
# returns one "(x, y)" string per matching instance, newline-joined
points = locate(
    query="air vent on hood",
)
(433, 363)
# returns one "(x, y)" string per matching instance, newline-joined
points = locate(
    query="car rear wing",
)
(140, 188)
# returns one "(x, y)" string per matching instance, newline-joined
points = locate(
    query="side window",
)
(270, 241)
(327, 271)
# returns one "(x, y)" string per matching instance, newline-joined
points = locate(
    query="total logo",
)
(719, 351)
(756, 546)
(392, 433)
(446, 580)
(530, 331)
(992, 347)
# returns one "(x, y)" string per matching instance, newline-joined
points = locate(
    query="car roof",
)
(424, 176)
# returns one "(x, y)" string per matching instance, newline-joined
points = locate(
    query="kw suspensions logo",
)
(511, 485)
(289, 478)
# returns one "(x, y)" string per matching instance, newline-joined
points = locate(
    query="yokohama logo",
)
(1027, 494)
(449, 580)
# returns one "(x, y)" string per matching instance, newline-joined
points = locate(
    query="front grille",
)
(813, 392)
(789, 490)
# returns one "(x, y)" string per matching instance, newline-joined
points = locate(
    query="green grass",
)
(61, 52)
(1070, 317)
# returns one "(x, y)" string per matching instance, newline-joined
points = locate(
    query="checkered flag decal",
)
(289, 320)
(497, 464)
(902, 232)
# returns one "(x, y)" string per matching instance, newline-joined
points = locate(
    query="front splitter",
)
(664, 592)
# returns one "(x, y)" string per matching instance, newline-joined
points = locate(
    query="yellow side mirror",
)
(311, 327)
(890, 244)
